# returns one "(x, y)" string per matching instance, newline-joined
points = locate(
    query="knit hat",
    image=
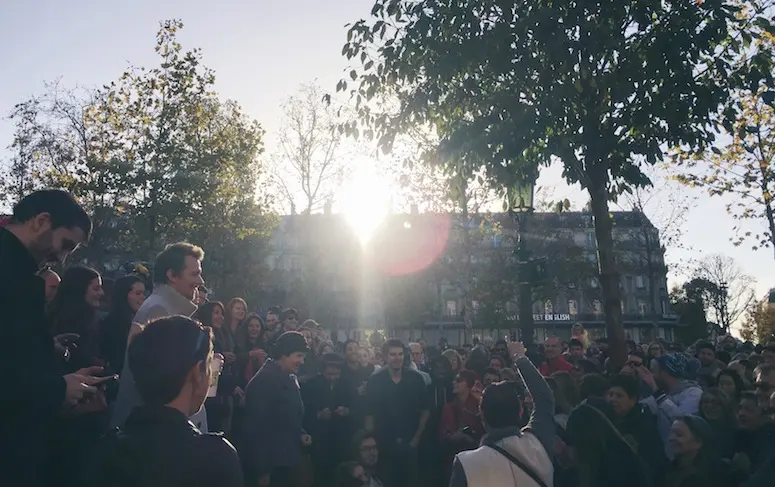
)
(673, 364)
(289, 343)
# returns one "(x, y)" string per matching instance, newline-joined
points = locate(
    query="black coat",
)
(274, 413)
(641, 425)
(159, 446)
(318, 394)
(34, 390)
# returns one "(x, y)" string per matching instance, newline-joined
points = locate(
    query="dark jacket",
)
(34, 388)
(274, 413)
(640, 425)
(159, 446)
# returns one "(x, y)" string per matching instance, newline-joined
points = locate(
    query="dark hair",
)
(637, 353)
(468, 377)
(59, 204)
(593, 385)
(274, 310)
(739, 384)
(499, 359)
(359, 438)
(568, 386)
(704, 345)
(501, 407)
(492, 372)
(595, 439)
(628, 383)
(262, 325)
(121, 288)
(162, 354)
(289, 313)
(349, 341)
(749, 396)
(331, 360)
(392, 343)
(69, 311)
(205, 312)
(575, 342)
(173, 258)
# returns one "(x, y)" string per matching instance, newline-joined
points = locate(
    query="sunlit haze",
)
(261, 52)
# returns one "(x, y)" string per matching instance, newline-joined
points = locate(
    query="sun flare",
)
(365, 200)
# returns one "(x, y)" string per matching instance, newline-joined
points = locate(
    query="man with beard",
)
(46, 226)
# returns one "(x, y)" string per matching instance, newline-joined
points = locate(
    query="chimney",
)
(414, 209)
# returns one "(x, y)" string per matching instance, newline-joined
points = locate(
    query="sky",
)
(261, 51)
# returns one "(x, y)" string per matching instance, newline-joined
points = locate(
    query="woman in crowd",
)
(461, 425)
(74, 310)
(719, 411)
(454, 359)
(221, 407)
(731, 382)
(274, 412)
(603, 458)
(128, 296)
(235, 312)
(696, 462)
(254, 352)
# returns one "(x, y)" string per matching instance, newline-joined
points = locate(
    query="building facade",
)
(442, 275)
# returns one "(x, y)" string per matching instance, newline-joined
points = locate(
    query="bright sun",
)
(364, 200)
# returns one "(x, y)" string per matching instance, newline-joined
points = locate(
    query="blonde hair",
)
(449, 353)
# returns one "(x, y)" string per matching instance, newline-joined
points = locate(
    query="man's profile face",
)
(189, 279)
(53, 245)
(416, 354)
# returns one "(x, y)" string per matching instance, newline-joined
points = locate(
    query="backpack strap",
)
(516, 461)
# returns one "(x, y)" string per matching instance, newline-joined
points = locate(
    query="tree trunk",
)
(609, 276)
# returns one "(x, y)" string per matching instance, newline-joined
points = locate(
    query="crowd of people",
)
(156, 382)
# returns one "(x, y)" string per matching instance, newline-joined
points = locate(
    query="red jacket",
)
(559, 364)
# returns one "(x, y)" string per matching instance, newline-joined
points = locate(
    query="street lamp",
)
(724, 297)
(520, 206)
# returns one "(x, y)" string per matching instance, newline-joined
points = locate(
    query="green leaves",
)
(155, 156)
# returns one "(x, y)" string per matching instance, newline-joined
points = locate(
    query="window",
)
(621, 301)
(597, 307)
(642, 307)
(451, 308)
(573, 307)
(640, 282)
(548, 307)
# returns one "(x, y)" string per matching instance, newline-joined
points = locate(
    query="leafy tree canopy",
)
(602, 86)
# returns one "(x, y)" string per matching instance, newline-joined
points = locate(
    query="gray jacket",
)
(164, 301)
